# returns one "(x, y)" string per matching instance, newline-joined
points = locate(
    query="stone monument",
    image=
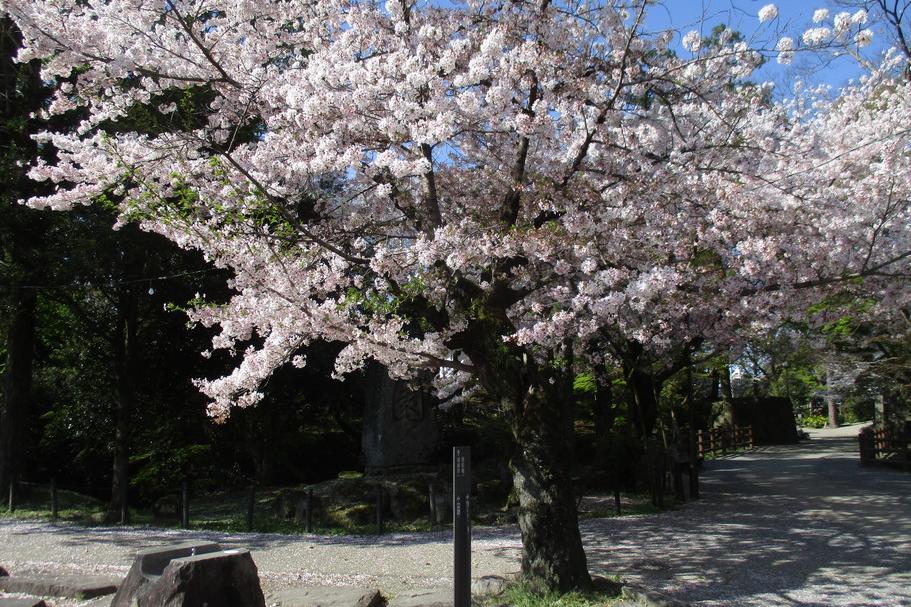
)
(400, 432)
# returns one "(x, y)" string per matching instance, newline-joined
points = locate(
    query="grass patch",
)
(632, 504)
(342, 507)
(520, 595)
(33, 502)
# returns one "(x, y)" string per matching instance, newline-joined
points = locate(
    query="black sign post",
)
(461, 525)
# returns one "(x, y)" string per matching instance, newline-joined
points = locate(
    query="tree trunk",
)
(727, 396)
(260, 441)
(831, 398)
(645, 390)
(552, 553)
(604, 410)
(17, 392)
(124, 349)
(539, 403)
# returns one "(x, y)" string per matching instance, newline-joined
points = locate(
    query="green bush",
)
(814, 421)
(848, 415)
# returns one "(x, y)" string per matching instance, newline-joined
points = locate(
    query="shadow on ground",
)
(803, 525)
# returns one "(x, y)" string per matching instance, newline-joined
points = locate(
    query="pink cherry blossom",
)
(413, 162)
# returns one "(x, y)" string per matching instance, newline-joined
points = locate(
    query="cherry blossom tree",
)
(480, 189)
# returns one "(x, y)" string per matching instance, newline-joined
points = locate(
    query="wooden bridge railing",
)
(888, 445)
(724, 439)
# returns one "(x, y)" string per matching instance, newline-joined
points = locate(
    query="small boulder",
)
(489, 585)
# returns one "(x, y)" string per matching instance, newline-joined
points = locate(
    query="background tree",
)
(22, 232)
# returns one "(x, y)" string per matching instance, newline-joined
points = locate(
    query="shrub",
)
(814, 421)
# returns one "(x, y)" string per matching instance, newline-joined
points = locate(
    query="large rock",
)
(400, 429)
(148, 566)
(217, 579)
(191, 575)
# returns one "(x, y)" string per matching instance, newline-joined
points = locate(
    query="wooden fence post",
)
(124, 506)
(251, 504)
(184, 504)
(309, 509)
(694, 464)
(679, 493)
(905, 437)
(432, 500)
(866, 447)
(379, 509)
(54, 505)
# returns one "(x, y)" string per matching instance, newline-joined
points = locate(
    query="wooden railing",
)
(724, 439)
(887, 445)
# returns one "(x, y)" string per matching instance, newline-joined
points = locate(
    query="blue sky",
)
(741, 15)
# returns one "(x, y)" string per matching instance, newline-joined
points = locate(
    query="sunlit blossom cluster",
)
(419, 171)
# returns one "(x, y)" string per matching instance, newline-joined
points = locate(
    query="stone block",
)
(435, 597)
(326, 597)
(10, 602)
(81, 587)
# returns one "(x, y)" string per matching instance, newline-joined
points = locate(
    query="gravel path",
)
(801, 525)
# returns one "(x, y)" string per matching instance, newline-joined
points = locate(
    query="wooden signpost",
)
(461, 525)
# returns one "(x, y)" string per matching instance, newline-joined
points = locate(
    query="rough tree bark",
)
(831, 400)
(17, 389)
(645, 388)
(552, 554)
(539, 403)
(124, 349)
(604, 401)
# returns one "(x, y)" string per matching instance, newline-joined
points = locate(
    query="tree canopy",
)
(487, 190)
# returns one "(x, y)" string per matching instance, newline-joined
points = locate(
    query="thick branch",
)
(280, 207)
(431, 202)
(187, 26)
